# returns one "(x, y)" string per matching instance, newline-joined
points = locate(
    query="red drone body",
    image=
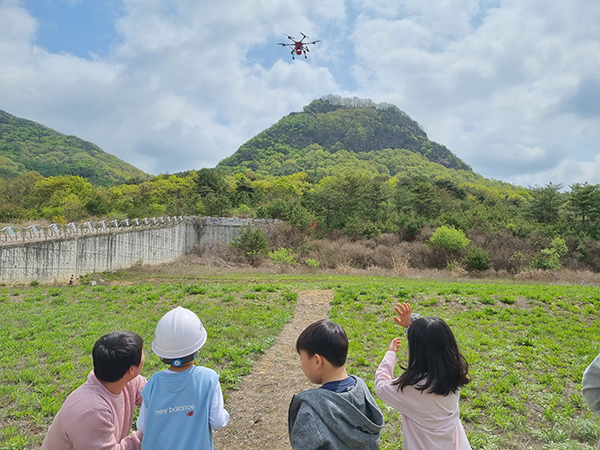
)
(298, 47)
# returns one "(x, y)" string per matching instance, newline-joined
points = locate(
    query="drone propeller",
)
(285, 45)
(290, 37)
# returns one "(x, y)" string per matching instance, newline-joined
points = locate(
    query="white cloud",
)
(567, 173)
(504, 84)
(485, 92)
(17, 29)
(177, 93)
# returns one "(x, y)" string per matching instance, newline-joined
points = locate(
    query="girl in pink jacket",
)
(427, 392)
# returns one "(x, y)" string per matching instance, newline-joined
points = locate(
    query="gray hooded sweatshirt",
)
(321, 419)
(591, 386)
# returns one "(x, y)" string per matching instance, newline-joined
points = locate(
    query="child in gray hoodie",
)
(342, 413)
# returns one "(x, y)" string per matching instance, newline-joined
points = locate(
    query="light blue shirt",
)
(177, 409)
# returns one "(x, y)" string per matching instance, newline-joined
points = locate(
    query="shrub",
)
(252, 241)
(588, 252)
(477, 259)
(551, 255)
(312, 264)
(282, 234)
(243, 210)
(518, 229)
(300, 217)
(454, 265)
(449, 238)
(283, 257)
(455, 268)
(507, 251)
(411, 228)
(517, 261)
(370, 231)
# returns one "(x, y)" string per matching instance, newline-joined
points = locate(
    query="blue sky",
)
(81, 28)
(510, 86)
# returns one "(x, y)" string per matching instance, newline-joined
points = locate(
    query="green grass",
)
(47, 334)
(527, 345)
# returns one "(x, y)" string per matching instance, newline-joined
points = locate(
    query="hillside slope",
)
(29, 146)
(332, 125)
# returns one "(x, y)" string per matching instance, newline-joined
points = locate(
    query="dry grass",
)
(384, 256)
(564, 276)
(193, 266)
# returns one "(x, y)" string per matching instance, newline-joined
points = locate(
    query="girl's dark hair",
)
(325, 338)
(114, 353)
(433, 356)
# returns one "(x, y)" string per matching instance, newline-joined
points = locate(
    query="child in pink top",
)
(427, 392)
(98, 414)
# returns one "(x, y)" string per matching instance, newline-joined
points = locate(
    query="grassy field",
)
(527, 345)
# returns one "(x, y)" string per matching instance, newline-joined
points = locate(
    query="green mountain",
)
(334, 133)
(29, 146)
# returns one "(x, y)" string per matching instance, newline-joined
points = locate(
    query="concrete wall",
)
(212, 230)
(58, 259)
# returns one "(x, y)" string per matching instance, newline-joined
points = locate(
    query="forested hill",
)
(29, 146)
(336, 126)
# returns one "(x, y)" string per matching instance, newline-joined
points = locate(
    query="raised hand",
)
(394, 345)
(404, 315)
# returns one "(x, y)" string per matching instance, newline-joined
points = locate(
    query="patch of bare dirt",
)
(259, 408)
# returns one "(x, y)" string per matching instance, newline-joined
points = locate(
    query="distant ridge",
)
(333, 124)
(29, 146)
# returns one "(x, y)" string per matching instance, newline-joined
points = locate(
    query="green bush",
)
(551, 255)
(312, 264)
(253, 242)
(283, 257)
(300, 217)
(243, 209)
(370, 231)
(449, 238)
(411, 228)
(477, 259)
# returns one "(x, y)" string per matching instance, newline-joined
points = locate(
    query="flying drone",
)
(300, 46)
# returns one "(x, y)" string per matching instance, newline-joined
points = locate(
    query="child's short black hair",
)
(114, 353)
(327, 339)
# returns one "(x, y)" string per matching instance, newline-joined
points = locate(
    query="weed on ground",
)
(47, 335)
(527, 348)
(527, 345)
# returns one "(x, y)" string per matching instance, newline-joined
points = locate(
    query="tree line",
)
(543, 227)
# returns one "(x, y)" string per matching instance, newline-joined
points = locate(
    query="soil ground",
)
(259, 409)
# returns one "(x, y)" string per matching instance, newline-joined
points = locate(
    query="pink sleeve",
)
(383, 382)
(94, 430)
(385, 371)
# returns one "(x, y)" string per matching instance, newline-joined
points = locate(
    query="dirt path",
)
(259, 408)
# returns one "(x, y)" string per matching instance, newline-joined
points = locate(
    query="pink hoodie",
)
(93, 418)
(429, 421)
